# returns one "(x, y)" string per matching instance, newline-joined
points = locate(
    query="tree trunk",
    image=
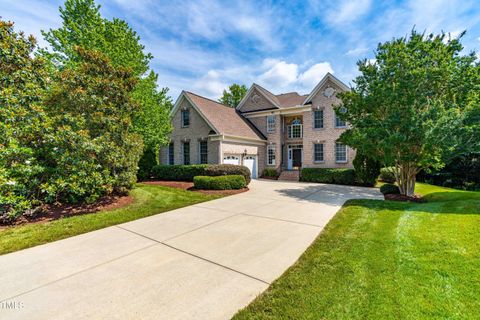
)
(405, 174)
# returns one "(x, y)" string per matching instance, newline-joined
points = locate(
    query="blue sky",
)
(205, 45)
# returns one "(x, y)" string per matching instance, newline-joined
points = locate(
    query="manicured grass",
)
(386, 260)
(148, 200)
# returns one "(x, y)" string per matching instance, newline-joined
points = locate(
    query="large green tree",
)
(23, 121)
(408, 108)
(233, 95)
(94, 150)
(83, 25)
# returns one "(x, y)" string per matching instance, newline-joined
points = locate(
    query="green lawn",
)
(386, 260)
(148, 200)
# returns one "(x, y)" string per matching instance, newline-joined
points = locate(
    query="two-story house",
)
(285, 132)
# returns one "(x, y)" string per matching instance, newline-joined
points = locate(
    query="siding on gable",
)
(261, 104)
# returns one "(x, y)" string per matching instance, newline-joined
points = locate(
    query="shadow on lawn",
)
(331, 194)
(437, 203)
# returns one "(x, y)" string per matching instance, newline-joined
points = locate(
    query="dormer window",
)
(185, 118)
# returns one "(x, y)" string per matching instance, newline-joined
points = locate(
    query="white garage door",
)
(231, 160)
(251, 163)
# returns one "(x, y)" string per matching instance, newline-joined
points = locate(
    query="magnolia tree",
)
(408, 107)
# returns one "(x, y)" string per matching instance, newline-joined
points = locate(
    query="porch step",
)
(290, 175)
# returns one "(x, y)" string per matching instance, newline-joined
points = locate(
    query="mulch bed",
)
(401, 197)
(185, 185)
(54, 212)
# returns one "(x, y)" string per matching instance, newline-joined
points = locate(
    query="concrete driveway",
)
(200, 262)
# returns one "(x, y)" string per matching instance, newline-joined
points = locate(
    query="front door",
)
(297, 158)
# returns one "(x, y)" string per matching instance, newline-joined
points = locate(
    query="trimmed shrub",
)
(146, 164)
(227, 169)
(188, 172)
(389, 188)
(179, 172)
(328, 175)
(269, 173)
(227, 182)
(387, 175)
(366, 169)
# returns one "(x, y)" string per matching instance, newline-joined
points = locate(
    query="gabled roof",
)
(330, 77)
(291, 99)
(267, 94)
(222, 119)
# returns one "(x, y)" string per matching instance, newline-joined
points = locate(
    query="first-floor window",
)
(186, 152)
(203, 152)
(318, 152)
(340, 152)
(271, 155)
(171, 155)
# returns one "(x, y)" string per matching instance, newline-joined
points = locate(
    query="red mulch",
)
(54, 212)
(185, 185)
(401, 197)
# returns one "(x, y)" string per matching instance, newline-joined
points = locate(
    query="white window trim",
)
(323, 119)
(335, 122)
(271, 147)
(346, 153)
(271, 129)
(319, 161)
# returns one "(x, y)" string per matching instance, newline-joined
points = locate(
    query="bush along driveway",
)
(386, 260)
(148, 200)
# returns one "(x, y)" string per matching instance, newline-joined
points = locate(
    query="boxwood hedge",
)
(227, 182)
(328, 175)
(188, 172)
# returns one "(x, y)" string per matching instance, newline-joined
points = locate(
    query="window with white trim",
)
(203, 149)
(171, 155)
(340, 153)
(185, 118)
(339, 123)
(318, 152)
(318, 119)
(186, 152)
(270, 123)
(271, 154)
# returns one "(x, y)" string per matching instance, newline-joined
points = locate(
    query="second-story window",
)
(185, 118)
(295, 129)
(339, 123)
(318, 119)
(271, 124)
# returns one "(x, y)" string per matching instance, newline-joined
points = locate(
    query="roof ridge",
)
(195, 94)
(282, 94)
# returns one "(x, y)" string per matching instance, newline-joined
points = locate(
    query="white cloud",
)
(314, 74)
(211, 85)
(281, 74)
(339, 13)
(356, 51)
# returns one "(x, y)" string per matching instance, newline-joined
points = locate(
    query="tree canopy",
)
(233, 95)
(410, 108)
(83, 26)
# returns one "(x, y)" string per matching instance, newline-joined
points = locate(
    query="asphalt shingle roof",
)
(226, 120)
